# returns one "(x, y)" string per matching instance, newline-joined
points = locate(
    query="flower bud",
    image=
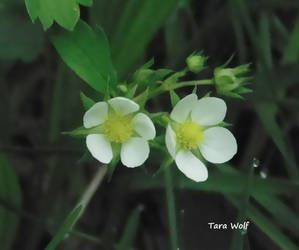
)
(231, 82)
(196, 62)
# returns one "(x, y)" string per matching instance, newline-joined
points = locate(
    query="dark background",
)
(39, 98)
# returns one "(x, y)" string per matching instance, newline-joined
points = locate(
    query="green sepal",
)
(243, 90)
(224, 124)
(174, 98)
(175, 77)
(116, 147)
(83, 132)
(148, 64)
(194, 91)
(142, 98)
(131, 92)
(162, 118)
(86, 101)
(161, 73)
(159, 143)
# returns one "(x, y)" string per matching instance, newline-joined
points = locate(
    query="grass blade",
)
(65, 228)
(291, 52)
(281, 212)
(238, 235)
(170, 204)
(129, 234)
(10, 193)
(266, 225)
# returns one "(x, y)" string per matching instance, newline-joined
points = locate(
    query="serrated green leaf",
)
(66, 13)
(86, 101)
(87, 53)
(65, 228)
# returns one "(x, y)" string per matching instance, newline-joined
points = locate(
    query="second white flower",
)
(194, 135)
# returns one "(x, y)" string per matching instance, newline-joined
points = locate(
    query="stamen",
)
(118, 128)
(189, 135)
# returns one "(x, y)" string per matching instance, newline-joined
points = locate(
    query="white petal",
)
(99, 147)
(219, 145)
(191, 166)
(134, 152)
(170, 141)
(123, 105)
(183, 108)
(144, 126)
(209, 111)
(96, 115)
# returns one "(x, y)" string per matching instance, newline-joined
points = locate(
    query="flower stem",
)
(170, 204)
(163, 88)
(92, 187)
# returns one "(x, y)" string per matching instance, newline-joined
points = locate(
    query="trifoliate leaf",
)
(65, 12)
(86, 51)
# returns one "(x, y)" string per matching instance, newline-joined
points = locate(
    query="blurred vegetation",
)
(44, 174)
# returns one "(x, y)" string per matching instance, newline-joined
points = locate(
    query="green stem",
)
(192, 83)
(170, 204)
(164, 88)
(87, 237)
(92, 187)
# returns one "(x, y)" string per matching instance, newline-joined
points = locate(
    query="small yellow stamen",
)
(118, 128)
(189, 135)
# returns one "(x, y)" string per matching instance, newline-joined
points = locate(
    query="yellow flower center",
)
(118, 128)
(189, 135)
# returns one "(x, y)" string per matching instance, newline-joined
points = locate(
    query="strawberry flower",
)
(194, 135)
(117, 123)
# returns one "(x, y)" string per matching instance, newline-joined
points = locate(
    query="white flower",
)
(193, 134)
(116, 122)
